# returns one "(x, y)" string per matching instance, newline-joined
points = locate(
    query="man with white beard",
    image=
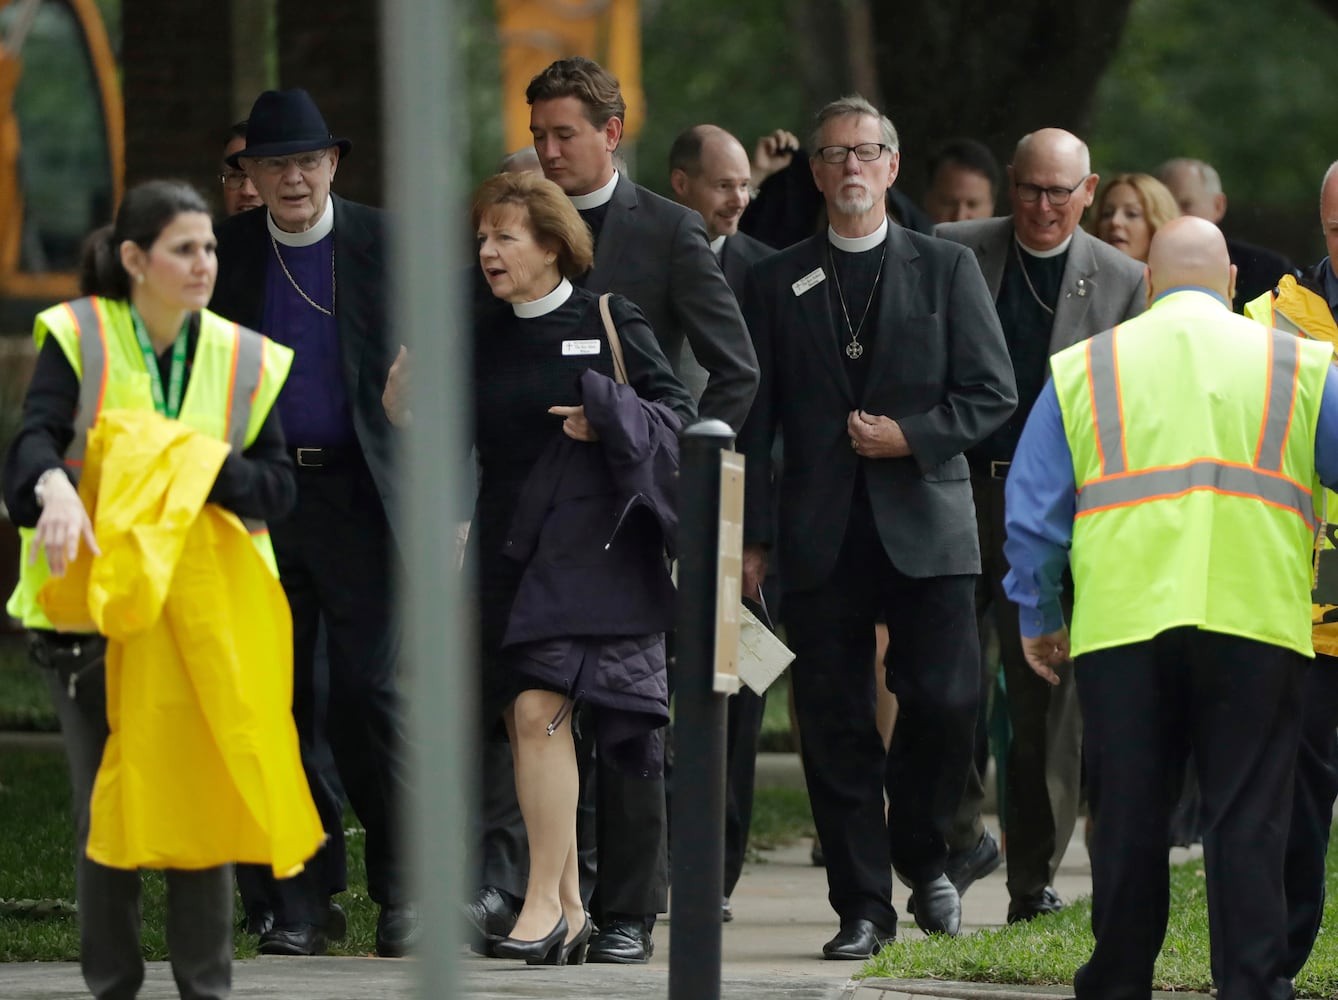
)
(882, 356)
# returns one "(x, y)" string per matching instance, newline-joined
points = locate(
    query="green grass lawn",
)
(37, 863)
(24, 703)
(1049, 950)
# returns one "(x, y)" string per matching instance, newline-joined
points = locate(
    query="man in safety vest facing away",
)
(1308, 307)
(1172, 462)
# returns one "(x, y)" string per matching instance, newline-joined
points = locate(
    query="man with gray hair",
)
(882, 357)
(1197, 188)
(1053, 285)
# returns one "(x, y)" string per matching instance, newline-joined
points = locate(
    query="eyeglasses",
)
(306, 162)
(1058, 197)
(865, 151)
(232, 179)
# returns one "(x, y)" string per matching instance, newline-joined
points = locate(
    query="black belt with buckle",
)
(991, 469)
(316, 458)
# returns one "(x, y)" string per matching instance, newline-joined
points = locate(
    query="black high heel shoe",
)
(545, 951)
(573, 952)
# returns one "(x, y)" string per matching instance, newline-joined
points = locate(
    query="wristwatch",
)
(39, 488)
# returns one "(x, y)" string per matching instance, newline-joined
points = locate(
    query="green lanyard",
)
(170, 406)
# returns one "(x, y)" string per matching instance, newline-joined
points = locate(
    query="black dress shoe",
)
(257, 922)
(546, 950)
(816, 856)
(856, 941)
(622, 942)
(967, 866)
(491, 914)
(938, 907)
(297, 939)
(726, 911)
(1036, 904)
(396, 930)
(336, 923)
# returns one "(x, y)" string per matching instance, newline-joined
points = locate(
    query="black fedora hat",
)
(284, 122)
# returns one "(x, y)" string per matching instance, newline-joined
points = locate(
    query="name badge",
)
(813, 277)
(570, 347)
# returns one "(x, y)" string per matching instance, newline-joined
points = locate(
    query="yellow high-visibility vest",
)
(1195, 503)
(235, 378)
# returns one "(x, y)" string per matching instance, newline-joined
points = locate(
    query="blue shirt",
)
(1041, 499)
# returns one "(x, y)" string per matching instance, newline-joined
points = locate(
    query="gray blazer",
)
(654, 252)
(1101, 286)
(939, 368)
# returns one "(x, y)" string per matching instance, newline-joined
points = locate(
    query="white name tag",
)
(580, 347)
(808, 281)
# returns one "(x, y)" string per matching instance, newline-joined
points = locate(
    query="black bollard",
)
(698, 826)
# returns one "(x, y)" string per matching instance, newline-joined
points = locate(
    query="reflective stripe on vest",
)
(248, 364)
(1117, 487)
(92, 380)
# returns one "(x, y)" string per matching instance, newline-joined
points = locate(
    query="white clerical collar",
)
(545, 305)
(1052, 252)
(594, 199)
(858, 244)
(308, 237)
(718, 245)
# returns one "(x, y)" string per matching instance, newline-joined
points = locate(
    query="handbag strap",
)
(615, 342)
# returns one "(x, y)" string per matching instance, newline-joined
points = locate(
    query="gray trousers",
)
(1044, 764)
(199, 903)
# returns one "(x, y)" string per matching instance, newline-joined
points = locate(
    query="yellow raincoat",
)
(201, 767)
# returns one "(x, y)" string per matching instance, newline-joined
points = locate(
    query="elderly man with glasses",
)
(1053, 285)
(310, 270)
(882, 358)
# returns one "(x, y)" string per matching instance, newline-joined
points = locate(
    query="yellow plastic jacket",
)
(1297, 310)
(201, 767)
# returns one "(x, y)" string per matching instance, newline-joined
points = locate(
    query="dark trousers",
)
(933, 667)
(199, 903)
(1044, 766)
(1236, 703)
(1312, 810)
(336, 559)
(744, 728)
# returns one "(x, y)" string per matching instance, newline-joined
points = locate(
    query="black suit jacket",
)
(940, 368)
(1258, 270)
(366, 345)
(739, 253)
(654, 252)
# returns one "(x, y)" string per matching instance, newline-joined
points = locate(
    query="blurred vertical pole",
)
(697, 841)
(426, 142)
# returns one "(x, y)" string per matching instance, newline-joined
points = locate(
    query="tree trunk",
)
(336, 57)
(177, 86)
(990, 71)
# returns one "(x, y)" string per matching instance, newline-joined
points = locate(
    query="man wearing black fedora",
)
(310, 272)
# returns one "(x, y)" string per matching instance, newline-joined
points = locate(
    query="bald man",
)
(1197, 188)
(1165, 462)
(1053, 285)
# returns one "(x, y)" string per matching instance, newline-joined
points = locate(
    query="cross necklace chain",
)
(854, 349)
(298, 288)
(1017, 249)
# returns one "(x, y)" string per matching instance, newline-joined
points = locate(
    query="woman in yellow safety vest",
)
(140, 339)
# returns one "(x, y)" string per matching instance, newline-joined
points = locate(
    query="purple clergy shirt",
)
(314, 404)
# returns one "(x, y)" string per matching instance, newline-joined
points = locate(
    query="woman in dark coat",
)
(573, 516)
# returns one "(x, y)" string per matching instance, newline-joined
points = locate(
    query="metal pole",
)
(697, 844)
(427, 138)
